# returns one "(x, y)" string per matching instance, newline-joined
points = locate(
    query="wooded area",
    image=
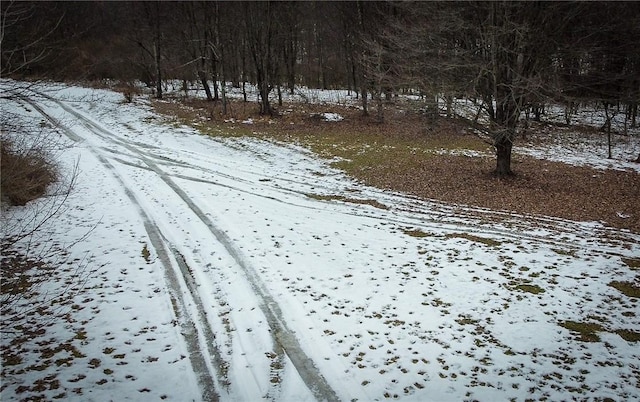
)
(508, 57)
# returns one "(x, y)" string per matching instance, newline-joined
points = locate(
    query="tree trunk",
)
(244, 70)
(290, 58)
(607, 127)
(279, 95)
(431, 112)
(537, 112)
(185, 88)
(203, 79)
(567, 112)
(263, 88)
(354, 75)
(503, 157)
(323, 68)
(156, 49)
(449, 102)
(507, 115)
(363, 93)
(223, 71)
(214, 67)
(380, 107)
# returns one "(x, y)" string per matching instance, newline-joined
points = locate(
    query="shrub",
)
(26, 173)
(129, 91)
(30, 150)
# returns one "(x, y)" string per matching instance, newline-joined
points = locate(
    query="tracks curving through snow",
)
(261, 315)
(208, 361)
(407, 212)
(204, 362)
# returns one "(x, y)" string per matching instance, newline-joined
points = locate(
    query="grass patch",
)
(535, 289)
(146, 254)
(478, 239)
(357, 145)
(627, 288)
(587, 331)
(628, 335)
(569, 253)
(633, 263)
(415, 233)
(466, 320)
(367, 152)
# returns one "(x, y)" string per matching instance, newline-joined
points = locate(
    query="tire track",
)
(424, 215)
(284, 339)
(410, 214)
(203, 362)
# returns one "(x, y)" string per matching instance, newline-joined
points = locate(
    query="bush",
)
(30, 256)
(26, 173)
(129, 91)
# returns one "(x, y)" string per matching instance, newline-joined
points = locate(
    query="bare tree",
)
(290, 48)
(498, 52)
(196, 38)
(262, 36)
(149, 38)
(27, 36)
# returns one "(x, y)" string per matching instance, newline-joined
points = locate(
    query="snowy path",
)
(275, 335)
(285, 280)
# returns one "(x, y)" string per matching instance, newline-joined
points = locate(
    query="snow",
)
(269, 276)
(332, 117)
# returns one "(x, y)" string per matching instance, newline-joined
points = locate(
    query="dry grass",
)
(403, 154)
(629, 289)
(586, 331)
(26, 173)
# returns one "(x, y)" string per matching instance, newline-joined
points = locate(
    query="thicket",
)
(26, 173)
(33, 192)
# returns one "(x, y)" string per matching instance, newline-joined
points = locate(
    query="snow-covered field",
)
(237, 269)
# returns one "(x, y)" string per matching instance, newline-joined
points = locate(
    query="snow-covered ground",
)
(238, 269)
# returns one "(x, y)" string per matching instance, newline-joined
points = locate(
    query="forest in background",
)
(508, 57)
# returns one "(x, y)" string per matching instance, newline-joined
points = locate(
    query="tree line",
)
(507, 57)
